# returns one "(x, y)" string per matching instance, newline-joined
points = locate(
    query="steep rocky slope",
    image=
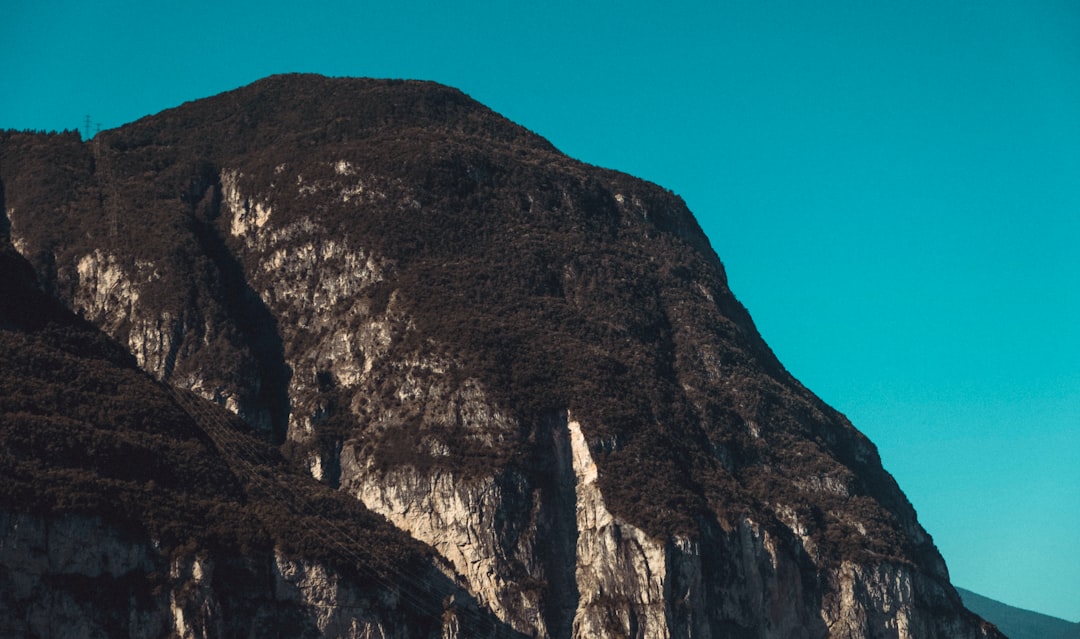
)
(531, 364)
(130, 510)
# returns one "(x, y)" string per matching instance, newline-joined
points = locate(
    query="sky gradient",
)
(893, 187)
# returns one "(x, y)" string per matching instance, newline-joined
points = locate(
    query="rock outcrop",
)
(531, 365)
(74, 576)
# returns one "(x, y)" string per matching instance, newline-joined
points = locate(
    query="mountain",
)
(530, 365)
(1018, 623)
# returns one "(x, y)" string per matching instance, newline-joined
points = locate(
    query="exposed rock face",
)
(127, 510)
(74, 576)
(532, 365)
(52, 569)
(616, 562)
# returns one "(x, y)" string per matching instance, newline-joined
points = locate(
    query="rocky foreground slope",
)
(531, 365)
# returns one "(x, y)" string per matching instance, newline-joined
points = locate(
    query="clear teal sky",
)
(894, 187)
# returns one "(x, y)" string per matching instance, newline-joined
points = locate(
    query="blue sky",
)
(894, 188)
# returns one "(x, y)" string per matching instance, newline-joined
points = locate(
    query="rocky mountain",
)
(530, 365)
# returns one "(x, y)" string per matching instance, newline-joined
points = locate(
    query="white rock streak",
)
(620, 570)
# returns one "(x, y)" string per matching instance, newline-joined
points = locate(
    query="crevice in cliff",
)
(558, 546)
(174, 350)
(5, 222)
(253, 318)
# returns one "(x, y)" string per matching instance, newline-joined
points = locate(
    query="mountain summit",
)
(531, 365)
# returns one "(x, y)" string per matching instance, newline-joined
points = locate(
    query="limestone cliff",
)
(129, 510)
(75, 576)
(532, 365)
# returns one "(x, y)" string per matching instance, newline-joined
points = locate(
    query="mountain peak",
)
(306, 110)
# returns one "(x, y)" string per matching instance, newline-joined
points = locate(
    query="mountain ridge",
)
(531, 364)
(1019, 623)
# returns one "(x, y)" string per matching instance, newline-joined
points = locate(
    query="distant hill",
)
(1017, 623)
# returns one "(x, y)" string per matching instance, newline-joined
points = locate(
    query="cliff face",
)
(74, 576)
(130, 510)
(532, 365)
